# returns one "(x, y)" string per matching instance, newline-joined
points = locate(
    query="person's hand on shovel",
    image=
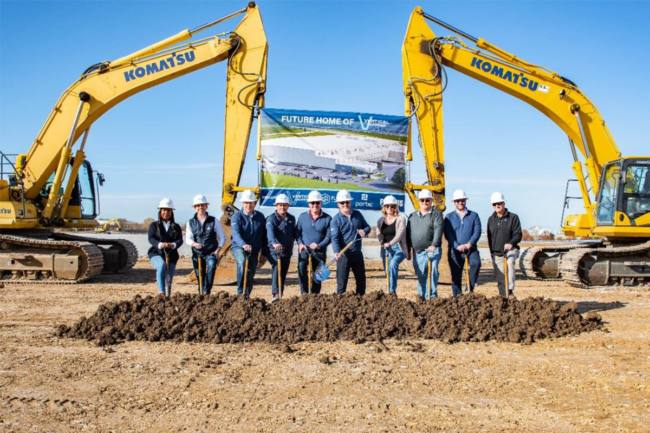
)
(507, 247)
(277, 247)
(314, 246)
(197, 246)
(362, 233)
(247, 248)
(386, 245)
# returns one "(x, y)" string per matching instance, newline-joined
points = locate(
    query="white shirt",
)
(221, 235)
(166, 225)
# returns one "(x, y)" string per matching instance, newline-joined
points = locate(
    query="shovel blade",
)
(322, 274)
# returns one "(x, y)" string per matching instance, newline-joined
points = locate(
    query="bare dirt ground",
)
(597, 381)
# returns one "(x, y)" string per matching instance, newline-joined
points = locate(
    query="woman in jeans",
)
(391, 232)
(165, 237)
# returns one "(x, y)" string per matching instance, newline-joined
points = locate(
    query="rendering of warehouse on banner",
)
(330, 151)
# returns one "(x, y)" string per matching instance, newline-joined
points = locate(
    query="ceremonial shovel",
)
(468, 287)
(323, 272)
(200, 276)
(168, 283)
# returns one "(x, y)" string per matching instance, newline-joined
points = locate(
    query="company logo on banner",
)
(326, 151)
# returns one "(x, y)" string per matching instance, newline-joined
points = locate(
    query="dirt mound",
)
(222, 318)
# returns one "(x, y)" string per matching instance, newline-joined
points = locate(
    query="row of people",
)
(419, 238)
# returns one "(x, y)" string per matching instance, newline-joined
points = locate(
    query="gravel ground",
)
(597, 381)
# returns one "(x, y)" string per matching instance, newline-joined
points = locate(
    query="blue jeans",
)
(158, 262)
(208, 268)
(284, 262)
(240, 258)
(457, 265)
(395, 257)
(420, 265)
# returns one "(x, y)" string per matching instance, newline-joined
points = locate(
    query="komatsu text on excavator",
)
(615, 190)
(51, 187)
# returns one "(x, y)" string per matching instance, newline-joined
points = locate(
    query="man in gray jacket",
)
(424, 236)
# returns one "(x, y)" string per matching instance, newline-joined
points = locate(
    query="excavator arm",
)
(106, 84)
(424, 58)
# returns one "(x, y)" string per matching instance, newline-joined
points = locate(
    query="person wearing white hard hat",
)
(504, 234)
(206, 237)
(165, 236)
(462, 231)
(391, 232)
(424, 237)
(348, 226)
(248, 240)
(313, 237)
(281, 234)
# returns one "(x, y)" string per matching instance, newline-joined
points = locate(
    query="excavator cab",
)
(84, 200)
(624, 196)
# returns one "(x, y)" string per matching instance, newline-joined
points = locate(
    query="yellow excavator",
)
(104, 227)
(53, 186)
(615, 190)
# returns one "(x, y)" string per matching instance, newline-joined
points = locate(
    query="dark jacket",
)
(249, 230)
(158, 234)
(504, 230)
(461, 231)
(281, 231)
(308, 231)
(424, 231)
(205, 235)
(344, 231)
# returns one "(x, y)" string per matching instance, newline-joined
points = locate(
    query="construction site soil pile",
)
(231, 319)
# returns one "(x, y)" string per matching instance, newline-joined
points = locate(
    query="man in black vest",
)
(206, 237)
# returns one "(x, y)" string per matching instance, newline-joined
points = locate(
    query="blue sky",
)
(335, 56)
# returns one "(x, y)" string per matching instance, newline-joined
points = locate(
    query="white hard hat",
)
(497, 197)
(282, 199)
(166, 203)
(343, 195)
(389, 200)
(314, 196)
(199, 199)
(425, 193)
(248, 196)
(459, 194)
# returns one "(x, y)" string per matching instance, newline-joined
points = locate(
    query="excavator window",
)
(86, 191)
(608, 194)
(636, 192)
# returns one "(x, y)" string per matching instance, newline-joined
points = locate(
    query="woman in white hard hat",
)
(165, 236)
(206, 237)
(391, 232)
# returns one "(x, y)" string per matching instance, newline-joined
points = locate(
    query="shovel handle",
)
(505, 273)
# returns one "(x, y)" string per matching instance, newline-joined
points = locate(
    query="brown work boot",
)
(511, 295)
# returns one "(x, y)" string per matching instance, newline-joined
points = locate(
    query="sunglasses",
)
(460, 201)
(425, 200)
(498, 204)
(315, 203)
(344, 202)
(391, 206)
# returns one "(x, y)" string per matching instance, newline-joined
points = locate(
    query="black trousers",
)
(343, 266)
(303, 275)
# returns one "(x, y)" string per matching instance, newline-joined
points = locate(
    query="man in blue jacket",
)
(313, 232)
(281, 233)
(248, 239)
(462, 231)
(348, 225)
